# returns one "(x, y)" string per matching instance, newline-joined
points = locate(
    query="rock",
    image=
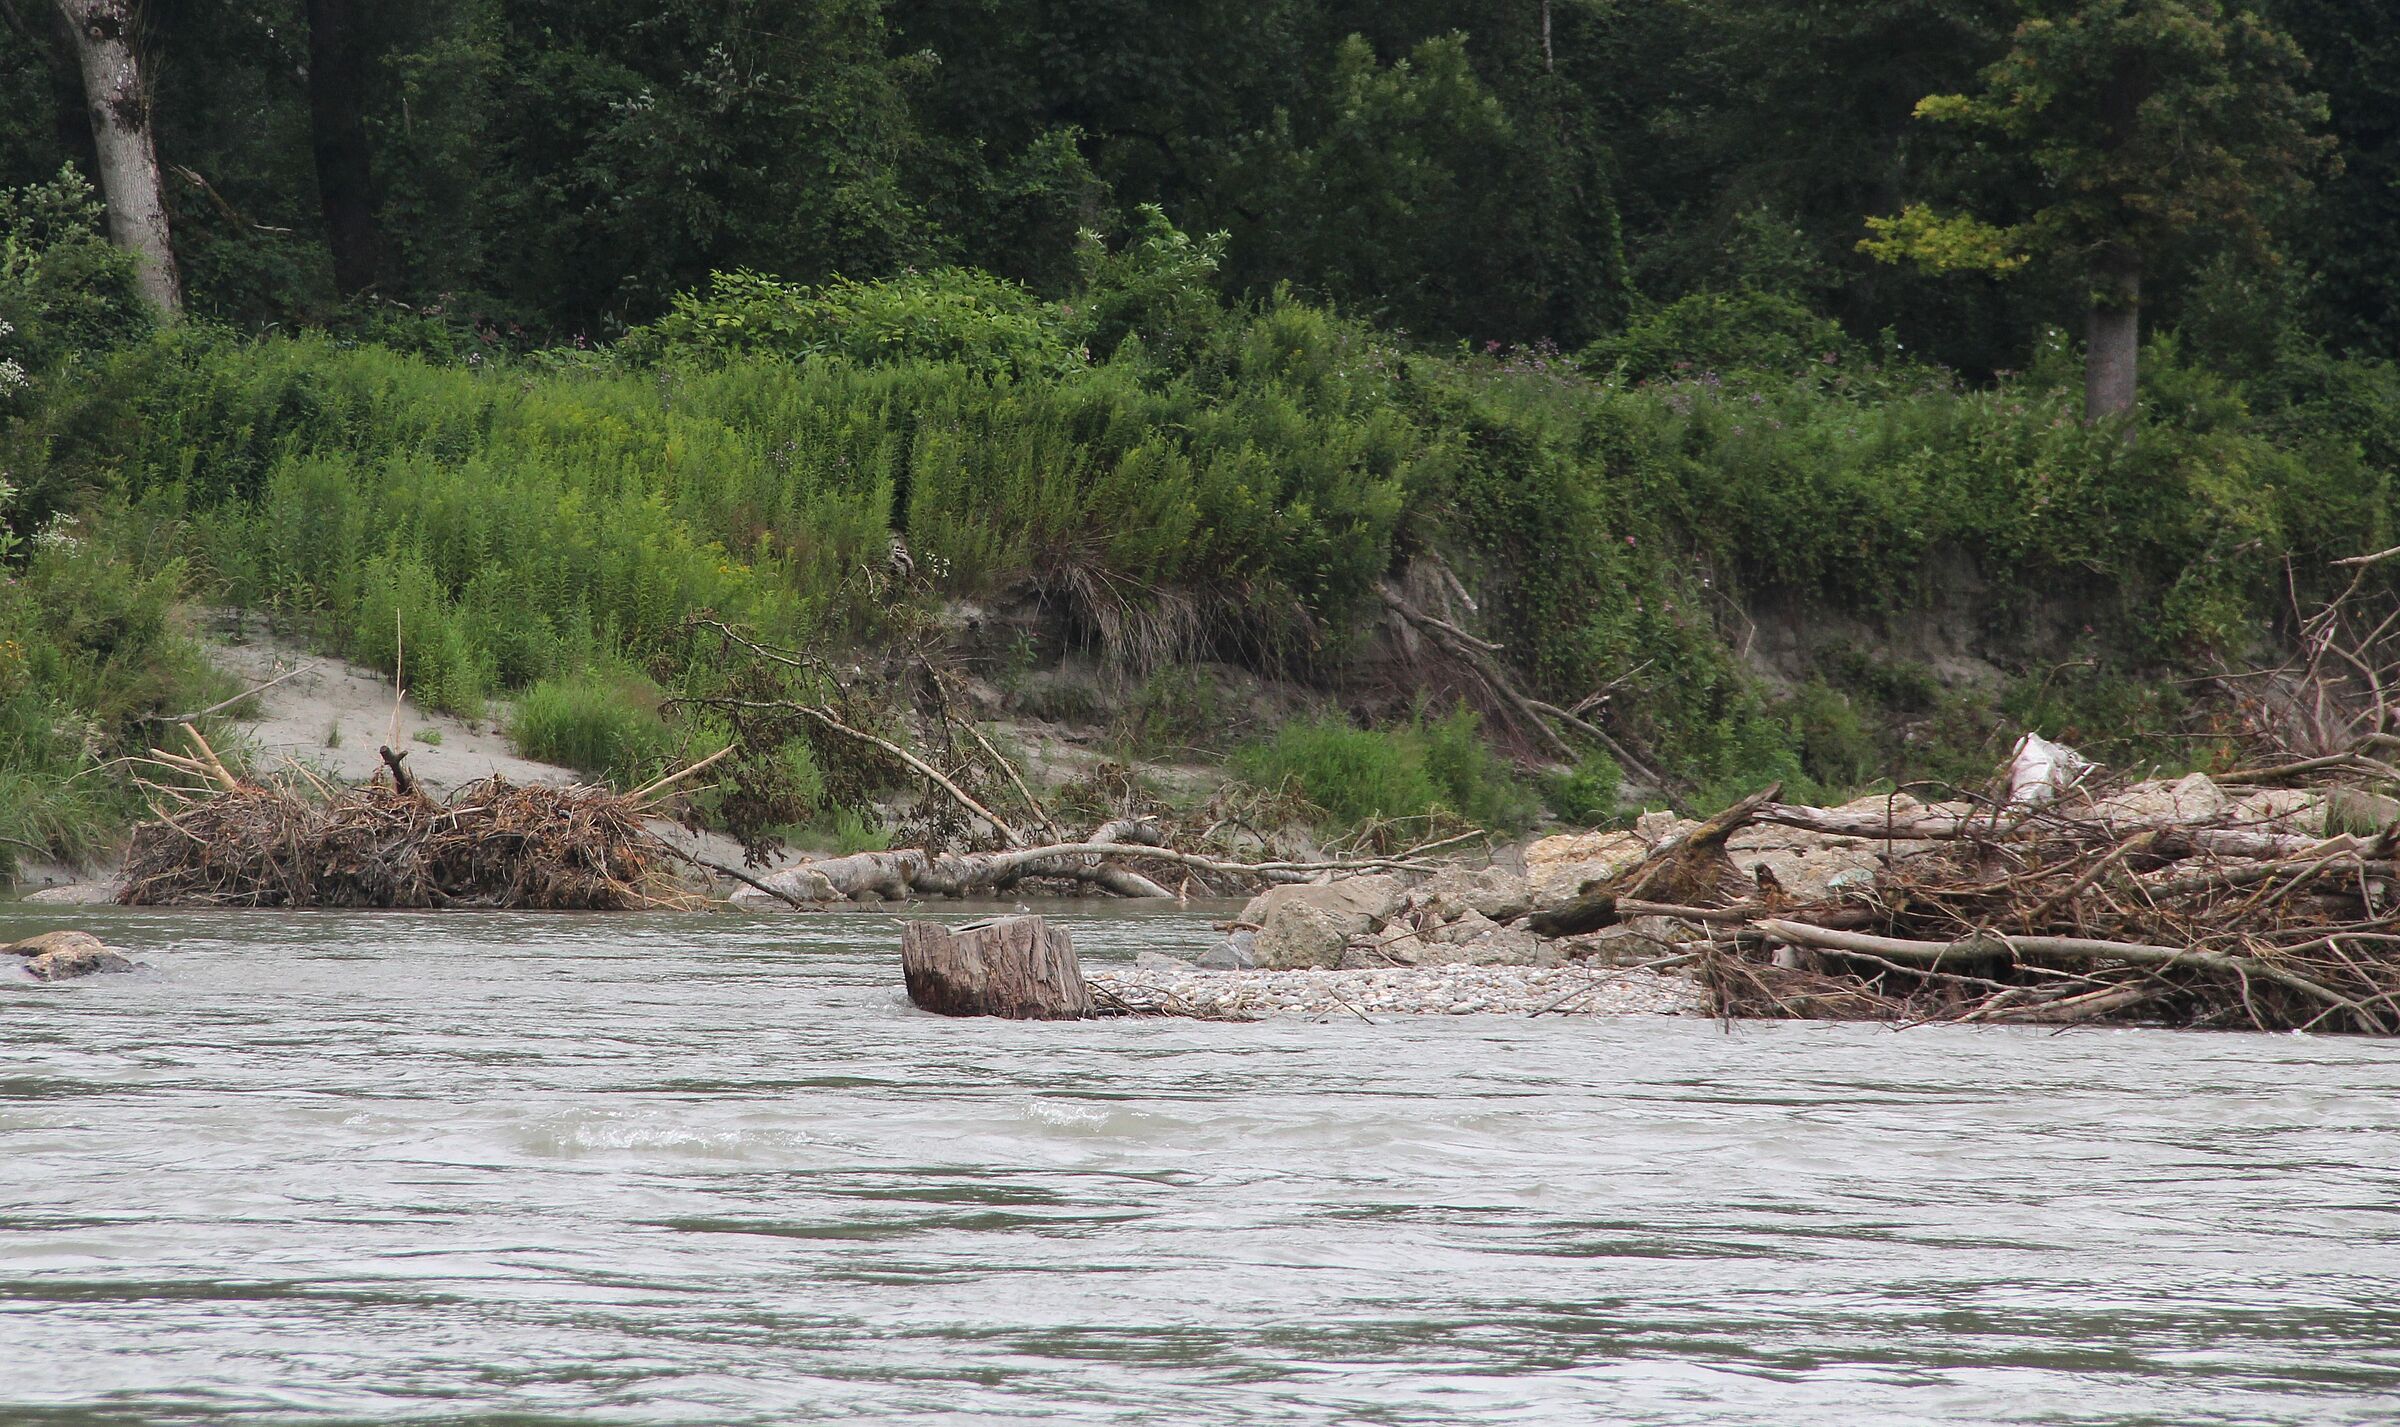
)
(1299, 934)
(1656, 827)
(74, 894)
(2300, 810)
(1238, 952)
(2359, 811)
(1377, 897)
(1160, 961)
(1465, 927)
(1308, 925)
(61, 956)
(1491, 892)
(2194, 799)
(1558, 867)
(1496, 946)
(1633, 942)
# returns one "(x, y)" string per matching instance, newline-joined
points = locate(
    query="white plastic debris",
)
(2039, 771)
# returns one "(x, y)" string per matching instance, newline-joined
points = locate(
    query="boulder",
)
(74, 894)
(2193, 799)
(1492, 946)
(2359, 811)
(1238, 952)
(1303, 934)
(1159, 961)
(63, 955)
(1376, 897)
(1558, 867)
(1491, 892)
(1307, 926)
(1632, 942)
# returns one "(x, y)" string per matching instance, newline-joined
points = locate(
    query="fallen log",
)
(908, 872)
(1021, 968)
(1682, 871)
(2185, 838)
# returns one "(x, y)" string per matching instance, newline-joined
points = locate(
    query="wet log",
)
(1018, 967)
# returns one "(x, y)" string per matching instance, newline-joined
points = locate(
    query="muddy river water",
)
(531, 1170)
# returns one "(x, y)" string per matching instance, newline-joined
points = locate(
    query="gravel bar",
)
(1399, 991)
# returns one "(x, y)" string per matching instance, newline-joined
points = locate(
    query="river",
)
(527, 1170)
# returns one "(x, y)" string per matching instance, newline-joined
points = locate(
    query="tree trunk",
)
(2114, 343)
(119, 102)
(338, 136)
(1019, 968)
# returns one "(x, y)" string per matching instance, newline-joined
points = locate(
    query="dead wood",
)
(1019, 967)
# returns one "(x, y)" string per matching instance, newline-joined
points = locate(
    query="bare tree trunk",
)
(2113, 348)
(338, 136)
(119, 102)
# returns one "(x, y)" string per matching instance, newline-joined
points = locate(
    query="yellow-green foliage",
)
(605, 726)
(1425, 766)
(506, 523)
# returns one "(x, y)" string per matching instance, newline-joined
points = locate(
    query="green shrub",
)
(1718, 332)
(988, 325)
(1473, 781)
(1352, 773)
(64, 288)
(1414, 770)
(1588, 795)
(607, 726)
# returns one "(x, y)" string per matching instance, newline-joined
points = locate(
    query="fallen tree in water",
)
(294, 842)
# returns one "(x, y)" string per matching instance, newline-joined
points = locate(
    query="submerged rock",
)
(64, 955)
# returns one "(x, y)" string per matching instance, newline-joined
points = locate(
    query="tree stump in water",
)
(1017, 967)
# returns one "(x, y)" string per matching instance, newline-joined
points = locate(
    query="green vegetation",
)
(606, 727)
(1562, 311)
(1415, 770)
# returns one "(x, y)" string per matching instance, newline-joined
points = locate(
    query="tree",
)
(119, 99)
(2129, 127)
(2354, 50)
(338, 138)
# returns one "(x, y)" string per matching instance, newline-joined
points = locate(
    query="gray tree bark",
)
(2112, 349)
(119, 101)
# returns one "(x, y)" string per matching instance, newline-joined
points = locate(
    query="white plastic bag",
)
(2039, 771)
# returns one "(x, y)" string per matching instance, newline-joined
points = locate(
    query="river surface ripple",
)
(531, 1170)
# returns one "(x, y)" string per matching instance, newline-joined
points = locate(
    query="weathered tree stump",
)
(1017, 967)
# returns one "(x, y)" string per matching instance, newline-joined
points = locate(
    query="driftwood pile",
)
(295, 842)
(2186, 904)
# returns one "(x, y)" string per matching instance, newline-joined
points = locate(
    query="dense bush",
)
(1425, 766)
(605, 726)
(991, 327)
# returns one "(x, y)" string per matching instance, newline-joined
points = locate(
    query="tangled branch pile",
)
(490, 844)
(2188, 904)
